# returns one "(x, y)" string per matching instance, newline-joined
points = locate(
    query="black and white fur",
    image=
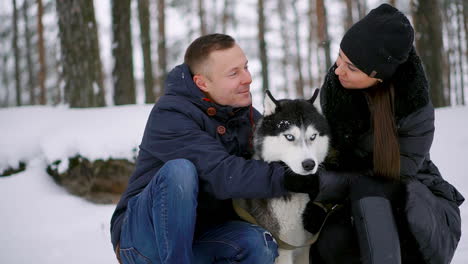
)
(296, 133)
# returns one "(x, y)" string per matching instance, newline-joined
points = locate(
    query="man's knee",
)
(179, 175)
(259, 245)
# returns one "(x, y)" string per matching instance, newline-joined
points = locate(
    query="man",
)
(194, 157)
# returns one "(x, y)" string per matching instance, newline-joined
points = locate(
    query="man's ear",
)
(200, 81)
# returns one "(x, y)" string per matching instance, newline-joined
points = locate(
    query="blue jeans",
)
(159, 224)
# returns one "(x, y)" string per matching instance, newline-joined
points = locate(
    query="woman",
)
(377, 103)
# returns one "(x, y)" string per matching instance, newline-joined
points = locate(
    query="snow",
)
(42, 223)
(58, 133)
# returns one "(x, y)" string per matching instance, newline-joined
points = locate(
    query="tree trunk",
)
(81, 62)
(465, 24)
(29, 66)
(144, 17)
(446, 63)
(201, 15)
(214, 17)
(16, 52)
(310, 42)
(262, 45)
(392, 2)
(361, 6)
(428, 23)
(227, 15)
(5, 80)
(124, 80)
(41, 50)
(162, 51)
(349, 21)
(284, 30)
(461, 57)
(300, 79)
(453, 74)
(322, 31)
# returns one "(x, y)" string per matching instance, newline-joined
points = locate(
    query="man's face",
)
(226, 79)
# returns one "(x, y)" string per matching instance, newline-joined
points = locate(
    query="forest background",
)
(85, 53)
(78, 79)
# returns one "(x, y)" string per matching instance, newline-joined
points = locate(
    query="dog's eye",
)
(312, 138)
(289, 137)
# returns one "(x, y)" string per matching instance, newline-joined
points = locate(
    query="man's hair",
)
(200, 49)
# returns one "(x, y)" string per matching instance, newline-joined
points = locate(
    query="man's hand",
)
(294, 182)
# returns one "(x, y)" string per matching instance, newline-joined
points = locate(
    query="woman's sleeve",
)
(432, 203)
(434, 222)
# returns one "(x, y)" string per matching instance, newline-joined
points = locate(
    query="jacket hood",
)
(179, 82)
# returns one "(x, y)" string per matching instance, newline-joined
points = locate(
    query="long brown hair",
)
(386, 156)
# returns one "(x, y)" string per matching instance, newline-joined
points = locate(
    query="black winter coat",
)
(428, 218)
(216, 139)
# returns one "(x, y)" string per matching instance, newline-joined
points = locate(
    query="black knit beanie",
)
(379, 42)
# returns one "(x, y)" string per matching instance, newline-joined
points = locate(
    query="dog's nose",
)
(308, 164)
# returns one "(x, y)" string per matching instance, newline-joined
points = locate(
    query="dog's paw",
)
(313, 217)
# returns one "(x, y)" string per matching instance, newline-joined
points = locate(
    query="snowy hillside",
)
(41, 223)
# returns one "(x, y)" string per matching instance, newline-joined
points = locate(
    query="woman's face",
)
(350, 76)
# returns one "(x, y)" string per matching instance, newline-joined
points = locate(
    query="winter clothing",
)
(376, 230)
(172, 195)
(235, 242)
(367, 185)
(380, 42)
(216, 139)
(427, 215)
(301, 183)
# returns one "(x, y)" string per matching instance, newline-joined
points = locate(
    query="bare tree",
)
(300, 79)
(5, 80)
(228, 15)
(310, 40)
(349, 21)
(262, 45)
(81, 66)
(322, 26)
(427, 21)
(201, 15)
(41, 50)
(124, 80)
(361, 6)
(450, 51)
(459, 16)
(284, 32)
(214, 17)
(28, 50)
(17, 55)
(465, 24)
(162, 51)
(144, 17)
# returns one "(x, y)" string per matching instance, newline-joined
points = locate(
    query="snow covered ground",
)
(42, 223)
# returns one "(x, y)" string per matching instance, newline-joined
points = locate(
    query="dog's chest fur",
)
(288, 212)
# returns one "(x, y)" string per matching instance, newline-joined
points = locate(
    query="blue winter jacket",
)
(216, 139)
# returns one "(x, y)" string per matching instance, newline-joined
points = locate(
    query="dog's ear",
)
(315, 100)
(270, 105)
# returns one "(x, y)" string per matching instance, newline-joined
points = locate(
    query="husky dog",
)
(296, 133)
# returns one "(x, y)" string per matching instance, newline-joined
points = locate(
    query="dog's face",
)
(293, 131)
